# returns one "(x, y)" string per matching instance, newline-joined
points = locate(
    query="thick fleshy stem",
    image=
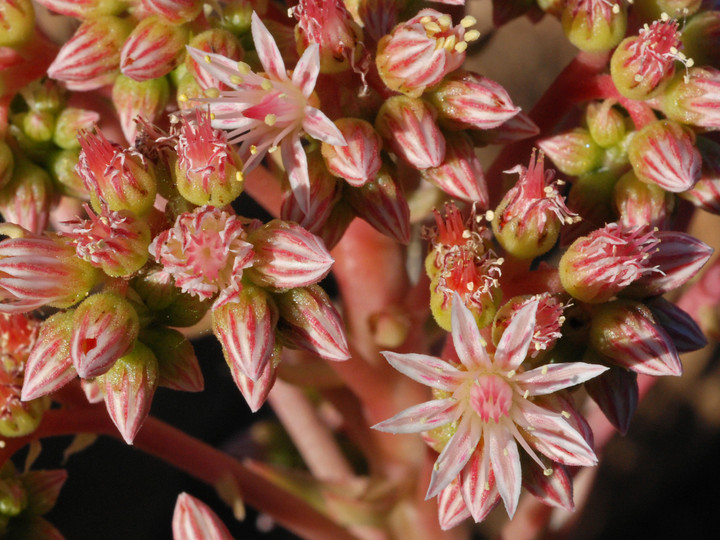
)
(312, 438)
(197, 459)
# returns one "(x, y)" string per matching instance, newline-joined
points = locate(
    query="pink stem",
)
(197, 459)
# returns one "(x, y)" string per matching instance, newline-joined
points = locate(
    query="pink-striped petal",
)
(267, 50)
(193, 520)
(319, 126)
(515, 341)
(422, 417)
(466, 337)
(554, 377)
(295, 161)
(451, 506)
(555, 489)
(479, 488)
(306, 71)
(455, 455)
(426, 370)
(505, 463)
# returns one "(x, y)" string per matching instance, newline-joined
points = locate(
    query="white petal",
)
(553, 377)
(454, 456)
(426, 370)
(451, 507)
(307, 69)
(466, 336)
(319, 126)
(479, 489)
(505, 462)
(422, 417)
(267, 50)
(514, 343)
(295, 161)
(220, 67)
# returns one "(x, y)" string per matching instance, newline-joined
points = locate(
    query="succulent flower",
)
(272, 110)
(490, 400)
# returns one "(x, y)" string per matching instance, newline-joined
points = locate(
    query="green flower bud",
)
(17, 23)
(594, 25)
(606, 124)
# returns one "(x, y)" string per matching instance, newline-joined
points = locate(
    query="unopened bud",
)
(84, 9)
(594, 25)
(17, 23)
(627, 332)
(408, 126)
(605, 123)
(705, 193)
(129, 388)
(694, 98)
(216, 41)
(27, 198)
(697, 33)
(176, 11)
(71, 121)
(193, 519)
(177, 362)
(642, 205)
(467, 100)
(664, 153)
(153, 48)
(359, 161)
(615, 392)
(62, 168)
(133, 99)
(573, 153)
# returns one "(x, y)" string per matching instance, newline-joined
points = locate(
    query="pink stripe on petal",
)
(426, 370)
(422, 417)
(505, 463)
(307, 69)
(479, 488)
(295, 161)
(451, 507)
(554, 377)
(319, 126)
(515, 341)
(267, 50)
(466, 337)
(455, 455)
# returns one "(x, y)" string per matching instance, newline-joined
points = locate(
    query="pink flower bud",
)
(452, 509)
(605, 123)
(359, 161)
(594, 25)
(153, 49)
(643, 64)
(682, 329)
(17, 23)
(408, 126)
(205, 252)
(664, 153)
(208, 170)
(146, 99)
(244, 323)
(640, 204)
(49, 365)
(193, 520)
(177, 362)
(678, 257)
(71, 121)
(337, 223)
(309, 321)
(176, 11)
(256, 392)
(598, 266)
(287, 256)
(627, 332)
(383, 205)
(554, 489)
(40, 270)
(92, 56)
(27, 198)
(467, 100)
(217, 41)
(84, 9)
(324, 194)
(117, 242)
(527, 221)
(121, 179)
(695, 98)
(129, 387)
(327, 23)
(705, 193)
(460, 175)
(418, 53)
(573, 153)
(548, 320)
(616, 393)
(105, 328)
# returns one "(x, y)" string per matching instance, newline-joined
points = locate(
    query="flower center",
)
(491, 397)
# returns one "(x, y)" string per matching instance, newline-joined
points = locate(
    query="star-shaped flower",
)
(492, 403)
(270, 110)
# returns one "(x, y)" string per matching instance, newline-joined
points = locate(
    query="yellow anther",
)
(472, 35)
(182, 98)
(236, 79)
(616, 9)
(239, 176)
(450, 42)
(439, 43)
(544, 370)
(468, 21)
(243, 68)
(266, 85)
(461, 47)
(445, 20)
(548, 472)
(426, 19)
(526, 394)
(212, 116)
(664, 17)
(272, 149)
(207, 58)
(253, 149)
(212, 92)
(270, 119)
(489, 215)
(690, 63)
(638, 78)
(565, 414)
(432, 27)
(511, 374)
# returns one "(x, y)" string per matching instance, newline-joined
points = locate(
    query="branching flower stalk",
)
(435, 334)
